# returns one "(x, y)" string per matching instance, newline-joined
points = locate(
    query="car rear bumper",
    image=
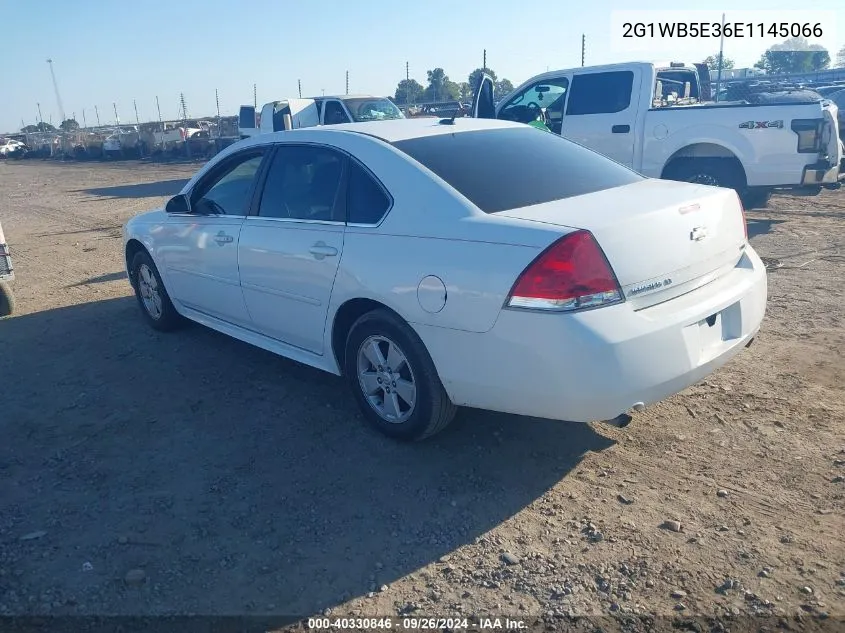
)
(597, 364)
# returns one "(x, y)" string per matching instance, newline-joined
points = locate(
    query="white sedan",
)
(472, 262)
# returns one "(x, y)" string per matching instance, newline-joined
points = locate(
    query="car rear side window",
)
(509, 168)
(366, 201)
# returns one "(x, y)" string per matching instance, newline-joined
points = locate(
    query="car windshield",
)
(372, 109)
(514, 167)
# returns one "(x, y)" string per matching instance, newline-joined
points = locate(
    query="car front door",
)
(601, 112)
(200, 248)
(290, 248)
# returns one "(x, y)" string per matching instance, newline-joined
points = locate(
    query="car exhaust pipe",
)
(620, 421)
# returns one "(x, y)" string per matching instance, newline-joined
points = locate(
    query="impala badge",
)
(698, 233)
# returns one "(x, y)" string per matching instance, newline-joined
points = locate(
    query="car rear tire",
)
(393, 379)
(7, 300)
(152, 296)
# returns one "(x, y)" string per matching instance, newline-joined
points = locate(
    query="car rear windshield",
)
(509, 168)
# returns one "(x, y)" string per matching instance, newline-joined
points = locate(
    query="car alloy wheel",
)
(386, 379)
(150, 296)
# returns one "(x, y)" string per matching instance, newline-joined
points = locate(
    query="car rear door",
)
(601, 112)
(291, 246)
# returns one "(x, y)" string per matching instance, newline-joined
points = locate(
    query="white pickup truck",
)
(315, 111)
(658, 120)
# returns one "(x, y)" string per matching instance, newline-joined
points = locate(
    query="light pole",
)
(56, 89)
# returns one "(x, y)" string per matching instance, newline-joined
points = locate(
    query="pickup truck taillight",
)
(809, 133)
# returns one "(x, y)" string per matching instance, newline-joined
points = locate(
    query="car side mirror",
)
(178, 204)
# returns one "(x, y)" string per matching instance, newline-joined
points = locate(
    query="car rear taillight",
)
(744, 220)
(572, 274)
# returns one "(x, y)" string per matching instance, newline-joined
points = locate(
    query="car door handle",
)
(620, 129)
(321, 250)
(221, 238)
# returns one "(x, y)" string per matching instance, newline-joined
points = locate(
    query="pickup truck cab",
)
(315, 111)
(658, 120)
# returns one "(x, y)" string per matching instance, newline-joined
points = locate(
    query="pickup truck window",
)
(525, 106)
(334, 113)
(514, 167)
(373, 109)
(600, 93)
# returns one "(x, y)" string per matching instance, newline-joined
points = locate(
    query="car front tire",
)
(152, 296)
(393, 379)
(7, 300)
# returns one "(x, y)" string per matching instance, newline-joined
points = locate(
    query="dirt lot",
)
(188, 473)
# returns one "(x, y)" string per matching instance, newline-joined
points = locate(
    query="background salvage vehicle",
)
(434, 266)
(660, 120)
(7, 274)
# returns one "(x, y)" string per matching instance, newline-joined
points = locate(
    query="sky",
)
(108, 54)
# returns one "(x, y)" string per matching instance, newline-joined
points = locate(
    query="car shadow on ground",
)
(760, 226)
(141, 190)
(240, 482)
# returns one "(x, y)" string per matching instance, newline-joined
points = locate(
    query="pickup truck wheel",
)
(393, 378)
(716, 172)
(7, 300)
(755, 198)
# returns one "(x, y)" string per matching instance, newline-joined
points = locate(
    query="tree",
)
(465, 91)
(795, 55)
(840, 58)
(409, 91)
(502, 88)
(39, 127)
(69, 125)
(475, 77)
(713, 62)
(440, 88)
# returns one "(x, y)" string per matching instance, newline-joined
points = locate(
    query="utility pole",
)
(56, 89)
(407, 84)
(116, 117)
(40, 118)
(255, 97)
(583, 47)
(299, 83)
(137, 118)
(347, 82)
(484, 63)
(97, 112)
(185, 123)
(84, 122)
(158, 109)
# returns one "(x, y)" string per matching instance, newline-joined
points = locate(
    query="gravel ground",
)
(145, 473)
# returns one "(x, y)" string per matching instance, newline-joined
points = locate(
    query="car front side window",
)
(227, 191)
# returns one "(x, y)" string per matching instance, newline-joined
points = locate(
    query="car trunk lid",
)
(662, 238)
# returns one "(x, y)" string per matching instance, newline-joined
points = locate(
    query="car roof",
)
(395, 130)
